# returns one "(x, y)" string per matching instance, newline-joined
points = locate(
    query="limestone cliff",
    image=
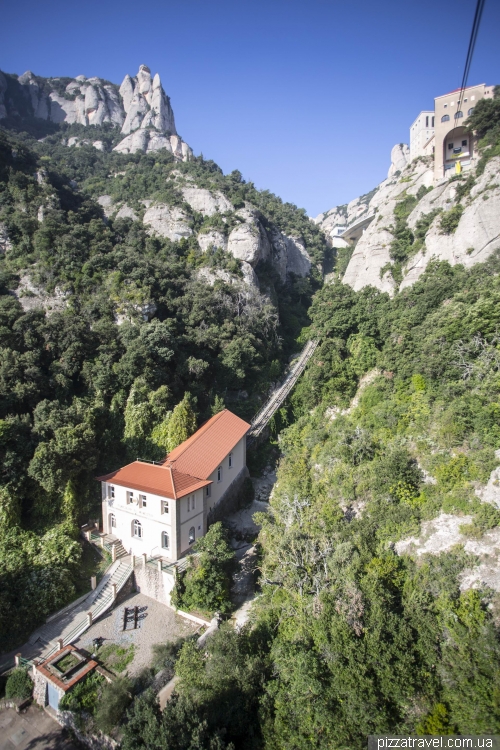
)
(140, 108)
(472, 236)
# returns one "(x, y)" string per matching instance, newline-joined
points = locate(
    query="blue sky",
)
(306, 99)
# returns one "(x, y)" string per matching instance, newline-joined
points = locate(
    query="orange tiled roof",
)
(164, 481)
(202, 453)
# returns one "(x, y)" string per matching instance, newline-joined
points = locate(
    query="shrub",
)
(114, 699)
(450, 220)
(18, 685)
(206, 583)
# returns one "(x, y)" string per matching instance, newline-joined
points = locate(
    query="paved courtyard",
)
(156, 624)
(32, 730)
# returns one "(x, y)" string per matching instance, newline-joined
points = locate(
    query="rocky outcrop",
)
(206, 202)
(139, 107)
(372, 251)
(400, 157)
(477, 235)
(248, 241)
(289, 255)
(214, 238)
(475, 238)
(167, 221)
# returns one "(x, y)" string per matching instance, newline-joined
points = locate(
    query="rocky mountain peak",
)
(139, 107)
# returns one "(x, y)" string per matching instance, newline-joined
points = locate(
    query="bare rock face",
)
(140, 105)
(289, 255)
(477, 235)
(400, 157)
(206, 202)
(248, 241)
(213, 238)
(126, 212)
(211, 275)
(167, 221)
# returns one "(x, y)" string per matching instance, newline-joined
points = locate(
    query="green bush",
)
(18, 685)
(114, 699)
(450, 220)
(206, 583)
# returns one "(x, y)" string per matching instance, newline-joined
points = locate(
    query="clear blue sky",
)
(305, 98)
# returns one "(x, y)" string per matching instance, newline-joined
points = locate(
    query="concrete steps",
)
(70, 627)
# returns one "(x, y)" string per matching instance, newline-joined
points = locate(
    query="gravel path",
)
(158, 624)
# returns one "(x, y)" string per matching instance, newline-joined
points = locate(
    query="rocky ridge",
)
(140, 108)
(475, 238)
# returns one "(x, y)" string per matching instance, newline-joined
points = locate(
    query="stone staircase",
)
(70, 626)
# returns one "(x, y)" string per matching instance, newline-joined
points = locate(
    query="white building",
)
(161, 509)
(422, 135)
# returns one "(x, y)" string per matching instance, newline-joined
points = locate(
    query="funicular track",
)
(278, 397)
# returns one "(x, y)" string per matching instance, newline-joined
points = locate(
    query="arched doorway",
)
(457, 146)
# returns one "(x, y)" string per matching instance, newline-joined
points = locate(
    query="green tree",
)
(182, 423)
(207, 582)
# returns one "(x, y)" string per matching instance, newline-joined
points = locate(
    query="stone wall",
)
(154, 583)
(39, 688)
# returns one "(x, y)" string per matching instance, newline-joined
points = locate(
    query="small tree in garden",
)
(206, 584)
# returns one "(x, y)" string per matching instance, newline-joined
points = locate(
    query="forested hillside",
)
(114, 344)
(108, 327)
(350, 638)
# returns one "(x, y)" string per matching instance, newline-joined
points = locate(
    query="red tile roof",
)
(187, 467)
(202, 453)
(159, 480)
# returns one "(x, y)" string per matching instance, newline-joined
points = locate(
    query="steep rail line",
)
(277, 398)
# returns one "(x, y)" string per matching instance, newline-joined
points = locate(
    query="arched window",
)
(112, 521)
(458, 115)
(137, 529)
(445, 118)
(191, 535)
(471, 110)
(165, 541)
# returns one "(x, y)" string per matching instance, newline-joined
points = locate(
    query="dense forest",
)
(395, 421)
(91, 381)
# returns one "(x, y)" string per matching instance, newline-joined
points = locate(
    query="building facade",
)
(161, 509)
(443, 134)
(421, 135)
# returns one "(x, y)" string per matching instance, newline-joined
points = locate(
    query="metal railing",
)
(103, 601)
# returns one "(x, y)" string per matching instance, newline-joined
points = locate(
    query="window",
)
(193, 502)
(450, 146)
(165, 541)
(465, 100)
(111, 492)
(426, 122)
(130, 497)
(191, 535)
(165, 507)
(445, 118)
(219, 474)
(230, 461)
(464, 143)
(458, 115)
(471, 110)
(143, 501)
(432, 122)
(137, 529)
(112, 520)
(208, 490)
(445, 106)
